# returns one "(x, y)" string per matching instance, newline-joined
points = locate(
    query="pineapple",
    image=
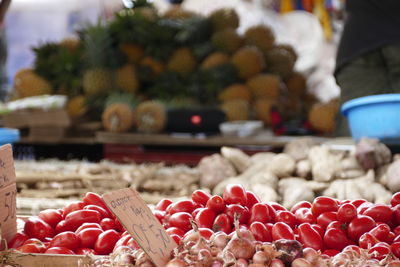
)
(249, 61)
(126, 79)
(151, 117)
(322, 116)
(260, 36)
(227, 40)
(235, 92)
(224, 18)
(28, 83)
(214, 59)
(265, 85)
(76, 106)
(99, 55)
(262, 108)
(118, 117)
(236, 110)
(182, 61)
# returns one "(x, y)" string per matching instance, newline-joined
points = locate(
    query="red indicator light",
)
(195, 119)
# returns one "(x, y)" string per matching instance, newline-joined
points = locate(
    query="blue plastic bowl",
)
(376, 116)
(9, 136)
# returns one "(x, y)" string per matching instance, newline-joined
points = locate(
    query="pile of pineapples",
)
(130, 70)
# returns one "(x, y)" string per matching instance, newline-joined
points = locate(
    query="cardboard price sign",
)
(140, 222)
(8, 193)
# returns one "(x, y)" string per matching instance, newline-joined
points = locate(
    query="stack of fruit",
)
(135, 66)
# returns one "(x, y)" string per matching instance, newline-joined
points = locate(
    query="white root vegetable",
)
(298, 149)
(240, 160)
(282, 165)
(393, 176)
(371, 153)
(325, 164)
(261, 157)
(303, 168)
(294, 190)
(350, 168)
(214, 169)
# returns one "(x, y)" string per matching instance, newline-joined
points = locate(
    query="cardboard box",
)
(37, 118)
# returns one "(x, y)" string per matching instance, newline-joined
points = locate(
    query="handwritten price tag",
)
(140, 222)
(8, 193)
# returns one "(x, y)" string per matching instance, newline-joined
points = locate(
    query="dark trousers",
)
(376, 72)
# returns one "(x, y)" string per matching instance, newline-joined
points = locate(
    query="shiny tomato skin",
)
(61, 227)
(281, 230)
(222, 223)
(118, 225)
(286, 217)
(276, 206)
(335, 239)
(200, 196)
(379, 212)
(337, 225)
(163, 204)
(102, 211)
(87, 225)
(235, 194)
(51, 216)
(301, 204)
(106, 241)
(66, 239)
(323, 204)
(194, 213)
(346, 212)
(379, 251)
(363, 207)
(359, 226)
(367, 240)
(181, 220)
(175, 231)
(241, 211)
(88, 237)
(91, 198)
(37, 228)
(176, 238)
(396, 214)
(251, 199)
(160, 215)
(32, 248)
(18, 240)
(395, 248)
(85, 251)
(330, 252)
(304, 215)
(260, 232)
(122, 241)
(205, 218)
(358, 202)
(381, 232)
(59, 250)
(319, 229)
(310, 237)
(74, 206)
(181, 206)
(260, 213)
(395, 199)
(324, 219)
(76, 218)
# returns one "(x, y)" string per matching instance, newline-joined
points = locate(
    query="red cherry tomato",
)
(260, 232)
(359, 226)
(51, 216)
(395, 248)
(319, 229)
(363, 207)
(176, 238)
(286, 217)
(281, 230)
(347, 212)
(76, 218)
(201, 197)
(304, 215)
(87, 225)
(276, 206)
(181, 206)
(33, 241)
(381, 232)
(102, 211)
(330, 252)
(37, 228)
(107, 224)
(163, 204)
(310, 237)
(235, 194)
(32, 248)
(18, 240)
(335, 239)
(106, 241)
(379, 212)
(59, 250)
(358, 202)
(160, 215)
(216, 203)
(66, 239)
(395, 199)
(181, 220)
(61, 227)
(222, 223)
(85, 251)
(396, 214)
(194, 213)
(323, 204)
(205, 218)
(367, 240)
(175, 231)
(337, 225)
(204, 232)
(242, 212)
(301, 204)
(74, 206)
(251, 199)
(379, 251)
(324, 219)
(260, 213)
(91, 198)
(123, 241)
(89, 236)
(118, 225)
